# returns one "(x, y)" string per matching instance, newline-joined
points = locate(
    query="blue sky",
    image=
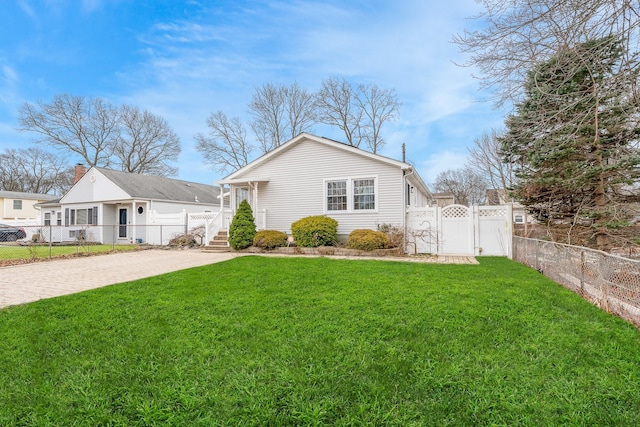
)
(186, 59)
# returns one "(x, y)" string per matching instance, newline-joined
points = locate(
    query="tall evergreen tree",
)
(574, 137)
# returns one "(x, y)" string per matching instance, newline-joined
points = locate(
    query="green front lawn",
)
(42, 251)
(316, 341)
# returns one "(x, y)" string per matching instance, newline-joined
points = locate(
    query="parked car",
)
(9, 233)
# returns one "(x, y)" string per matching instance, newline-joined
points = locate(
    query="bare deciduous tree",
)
(281, 113)
(146, 143)
(486, 157)
(336, 102)
(515, 36)
(466, 184)
(269, 112)
(301, 110)
(225, 148)
(102, 135)
(33, 170)
(359, 111)
(74, 124)
(378, 106)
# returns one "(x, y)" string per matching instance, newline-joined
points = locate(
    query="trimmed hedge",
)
(367, 240)
(270, 239)
(314, 231)
(243, 227)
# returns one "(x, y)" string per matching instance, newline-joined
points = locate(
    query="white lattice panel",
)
(492, 212)
(455, 211)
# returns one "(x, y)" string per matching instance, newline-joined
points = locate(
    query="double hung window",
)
(350, 194)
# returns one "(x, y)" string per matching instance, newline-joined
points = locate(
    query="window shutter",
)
(66, 216)
(94, 220)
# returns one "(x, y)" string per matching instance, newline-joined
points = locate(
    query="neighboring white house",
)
(109, 206)
(17, 208)
(310, 175)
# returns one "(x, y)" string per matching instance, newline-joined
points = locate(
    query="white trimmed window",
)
(87, 216)
(364, 194)
(337, 195)
(350, 194)
(17, 205)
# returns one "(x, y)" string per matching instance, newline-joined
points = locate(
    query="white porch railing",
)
(212, 222)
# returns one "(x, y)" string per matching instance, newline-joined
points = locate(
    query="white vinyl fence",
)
(460, 230)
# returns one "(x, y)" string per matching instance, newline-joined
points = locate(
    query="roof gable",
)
(315, 139)
(412, 174)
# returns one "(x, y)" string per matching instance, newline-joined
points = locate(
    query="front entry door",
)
(122, 221)
(242, 193)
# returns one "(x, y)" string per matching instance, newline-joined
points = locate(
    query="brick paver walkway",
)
(25, 283)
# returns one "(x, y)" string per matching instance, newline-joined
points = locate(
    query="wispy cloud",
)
(26, 7)
(191, 58)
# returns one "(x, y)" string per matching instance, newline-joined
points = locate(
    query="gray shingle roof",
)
(159, 188)
(28, 196)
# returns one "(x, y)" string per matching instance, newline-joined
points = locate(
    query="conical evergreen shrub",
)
(243, 228)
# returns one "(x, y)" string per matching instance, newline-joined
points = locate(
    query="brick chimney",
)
(80, 170)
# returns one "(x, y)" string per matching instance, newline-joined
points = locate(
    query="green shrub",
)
(314, 231)
(269, 239)
(243, 228)
(367, 240)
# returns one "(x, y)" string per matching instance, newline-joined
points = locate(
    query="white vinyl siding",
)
(297, 187)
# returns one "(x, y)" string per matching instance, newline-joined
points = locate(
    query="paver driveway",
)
(25, 283)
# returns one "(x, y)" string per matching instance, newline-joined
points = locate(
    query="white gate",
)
(460, 230)
(456, 230)
(494, 230)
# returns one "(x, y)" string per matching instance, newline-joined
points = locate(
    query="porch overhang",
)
(241, 181)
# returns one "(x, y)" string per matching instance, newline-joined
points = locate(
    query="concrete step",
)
(216, 249)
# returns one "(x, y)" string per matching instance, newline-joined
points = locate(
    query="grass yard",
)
(42, 251)
(316, 341)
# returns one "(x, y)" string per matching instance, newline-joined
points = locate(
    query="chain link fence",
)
(609, 281)
(30, 242)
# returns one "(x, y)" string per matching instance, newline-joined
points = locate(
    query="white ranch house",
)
(109, 207)
(310, 175)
